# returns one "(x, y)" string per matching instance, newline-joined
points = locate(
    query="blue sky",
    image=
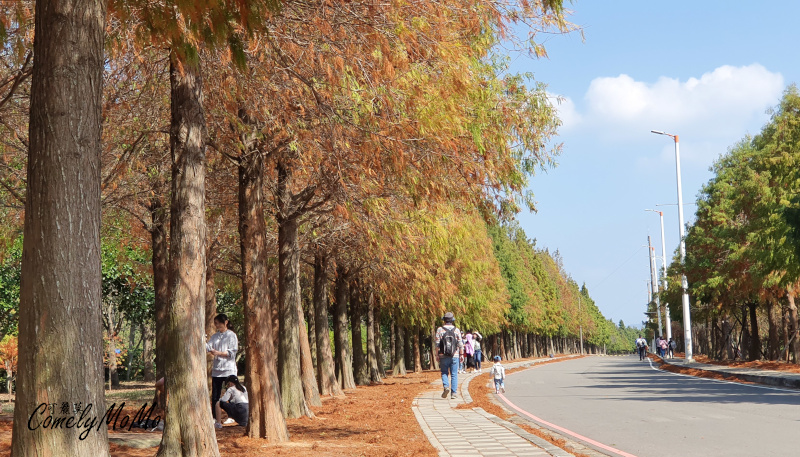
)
(705, 70)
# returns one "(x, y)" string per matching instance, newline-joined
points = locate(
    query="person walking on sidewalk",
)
(450, 345)
(671, 349)
(499, 375)
(641, 346)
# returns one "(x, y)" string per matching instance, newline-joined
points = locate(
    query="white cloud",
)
(718, 104)
(567, 113)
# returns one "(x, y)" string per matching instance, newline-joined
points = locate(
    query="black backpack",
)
(448, 345)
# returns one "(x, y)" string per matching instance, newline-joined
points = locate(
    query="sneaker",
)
(229, 421)
(453, 396)
(503, 389)
(446, 392)
(217, 425)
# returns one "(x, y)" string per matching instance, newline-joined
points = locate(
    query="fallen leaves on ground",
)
(370, 421)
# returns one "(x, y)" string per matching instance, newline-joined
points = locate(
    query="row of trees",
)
(290, 147)
(742, 251)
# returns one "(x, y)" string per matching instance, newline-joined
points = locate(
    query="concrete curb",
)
(768, 378)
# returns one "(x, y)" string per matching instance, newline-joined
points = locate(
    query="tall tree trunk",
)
(392, 338)
(294, 403)
(147, 352)
(417, 350)
(408, 355)
(727, 329)
(745, 335)
(379, 353)
(131, 350)
(360, 373)
(312, 340)
(326, 374)
(794, 334)
(309, 380)
(372, 347)
(773, 316)
(755, 340)
(60, 291)
(434, 350)
(344, 358)
(399, 367)
(189, 430)
(113, 376)
(160, 259)
(266, 419)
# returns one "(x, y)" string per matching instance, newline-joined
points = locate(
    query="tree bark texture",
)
(360, 373)
(266, 419)
(60, 291)
(289, 368)
(159, 217)
(379, 354)
(794, 331)
(326, 374)
(773, 342)
(372, 348)
(344, 356)
(417, 350)
(755, 340)
(308, 379)
(188, 430)
(399, 368)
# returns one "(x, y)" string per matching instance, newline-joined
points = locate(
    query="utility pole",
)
(664, 272)
(687, 310)
(580, 320)
(654, 283)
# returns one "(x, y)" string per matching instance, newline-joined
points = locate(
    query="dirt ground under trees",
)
(370, 421)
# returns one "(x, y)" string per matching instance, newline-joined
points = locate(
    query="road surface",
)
(627, 405)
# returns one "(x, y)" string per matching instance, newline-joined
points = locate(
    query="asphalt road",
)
(625, 404)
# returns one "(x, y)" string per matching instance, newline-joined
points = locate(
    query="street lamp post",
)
(580, 320)
(668, 322)
(687, 319)
(654, 283)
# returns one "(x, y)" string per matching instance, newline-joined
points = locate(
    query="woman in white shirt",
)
(223, 346)
(235, 402)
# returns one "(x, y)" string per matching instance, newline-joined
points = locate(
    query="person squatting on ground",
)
(235, 403)
(499, 375)
(641, 346)
(223, 346)
(450, 345)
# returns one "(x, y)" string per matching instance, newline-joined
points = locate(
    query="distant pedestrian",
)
(450, 345)
(499, 375)
(476, 343)
(671, 348)
(469, 350)
(662, 347)
(641, 346)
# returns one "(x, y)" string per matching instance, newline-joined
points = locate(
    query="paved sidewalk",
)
(474, 432)
(767, 377)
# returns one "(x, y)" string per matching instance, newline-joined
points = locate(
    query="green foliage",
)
(744, 246)
(10, 273)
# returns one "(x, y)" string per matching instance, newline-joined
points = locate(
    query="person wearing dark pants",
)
(450, 345)
(223, 346)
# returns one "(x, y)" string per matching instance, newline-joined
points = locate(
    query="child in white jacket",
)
(499, 375)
